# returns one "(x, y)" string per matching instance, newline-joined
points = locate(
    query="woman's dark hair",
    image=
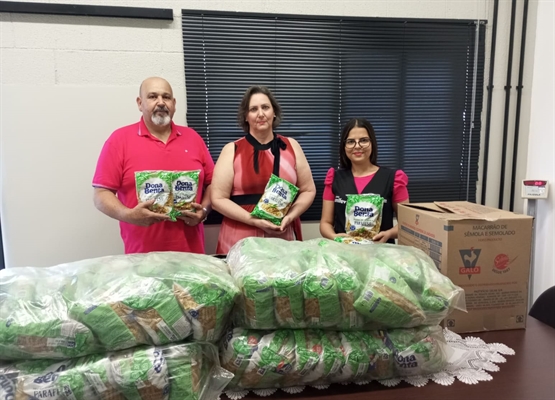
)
(244, 107)
(344, 161)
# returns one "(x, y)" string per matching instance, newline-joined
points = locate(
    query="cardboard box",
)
(484, 250)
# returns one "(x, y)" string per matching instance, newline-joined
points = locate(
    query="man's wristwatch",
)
(205, 214)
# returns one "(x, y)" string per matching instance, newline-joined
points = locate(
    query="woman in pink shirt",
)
(360, 173)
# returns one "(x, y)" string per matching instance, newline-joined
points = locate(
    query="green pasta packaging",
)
(184, 189)
(363, 215)
(157, 186)
(276, 200)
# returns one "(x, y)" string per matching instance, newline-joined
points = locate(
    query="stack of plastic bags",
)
(351, 313)
(84, 312)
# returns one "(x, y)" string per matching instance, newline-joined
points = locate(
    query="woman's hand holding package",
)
(267, 226)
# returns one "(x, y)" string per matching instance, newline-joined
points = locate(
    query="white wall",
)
(541, 146)
(68, 82)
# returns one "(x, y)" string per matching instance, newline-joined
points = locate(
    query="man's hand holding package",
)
(142, 216)
(193, 218)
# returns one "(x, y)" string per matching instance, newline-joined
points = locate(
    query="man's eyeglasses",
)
(351, 143)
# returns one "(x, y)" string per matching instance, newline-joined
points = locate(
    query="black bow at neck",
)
(276, 144)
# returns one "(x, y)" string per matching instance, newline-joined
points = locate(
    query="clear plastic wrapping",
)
(172, 372)
(320, 284)
(113, 303)
(284, 358)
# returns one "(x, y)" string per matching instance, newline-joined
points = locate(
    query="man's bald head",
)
(154, 80)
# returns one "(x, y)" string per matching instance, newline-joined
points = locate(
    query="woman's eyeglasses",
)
(351, 143)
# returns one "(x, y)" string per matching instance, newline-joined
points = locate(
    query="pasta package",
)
(363, 215)
(155, 185)
(386, 298)
(322, 305)
(418, 351)
(271, 362)
(276, 201)
(353, 240)
(184, 189)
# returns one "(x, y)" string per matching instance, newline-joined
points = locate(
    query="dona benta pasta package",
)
(363, 215)
(276, 200)
(172, 191)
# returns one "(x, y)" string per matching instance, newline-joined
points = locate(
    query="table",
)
(528, 375)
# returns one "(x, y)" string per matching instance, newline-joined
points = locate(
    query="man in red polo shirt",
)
(154, 143)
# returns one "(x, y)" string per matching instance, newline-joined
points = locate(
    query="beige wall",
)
(68, 82)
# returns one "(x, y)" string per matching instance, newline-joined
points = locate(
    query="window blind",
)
(412, 79)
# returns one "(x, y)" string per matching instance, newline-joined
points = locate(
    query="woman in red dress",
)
(245, 166)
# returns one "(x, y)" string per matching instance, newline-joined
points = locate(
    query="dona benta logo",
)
(470, 262)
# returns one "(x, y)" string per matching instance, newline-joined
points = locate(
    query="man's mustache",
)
(160, 109)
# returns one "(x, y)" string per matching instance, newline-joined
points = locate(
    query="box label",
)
(495, 298)
(425, 241)
(470, 262)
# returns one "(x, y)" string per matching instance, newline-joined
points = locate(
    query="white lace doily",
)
(470, 361)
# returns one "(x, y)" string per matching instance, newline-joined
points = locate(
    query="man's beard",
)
(161, 120)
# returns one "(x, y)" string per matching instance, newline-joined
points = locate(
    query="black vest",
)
(344, 184)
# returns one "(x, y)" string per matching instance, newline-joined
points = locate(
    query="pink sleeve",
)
(109, 168)
(400, 192)
(328, 192)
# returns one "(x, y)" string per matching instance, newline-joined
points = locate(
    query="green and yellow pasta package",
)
(353, 240)
(155, 185)
(276, 200)
(184, 189)
(363, 215)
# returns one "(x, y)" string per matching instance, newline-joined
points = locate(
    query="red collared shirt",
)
(132, 148)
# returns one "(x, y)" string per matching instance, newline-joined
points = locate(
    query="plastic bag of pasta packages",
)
(363, 215)
(387, 299)
(277, 199)
(417, 351)
(202, 286)
(34, 320)
(132, 310)
(437, 295)
(173, 372)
